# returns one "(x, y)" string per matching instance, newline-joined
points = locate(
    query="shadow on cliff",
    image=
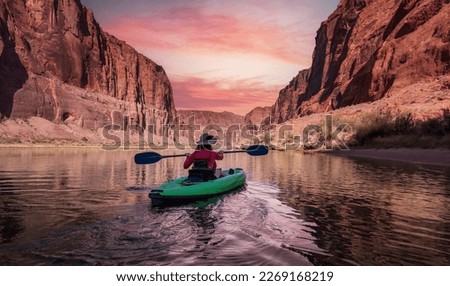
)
(12, 72)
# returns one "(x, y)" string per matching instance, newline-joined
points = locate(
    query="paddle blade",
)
(257, 150)
(147, 158)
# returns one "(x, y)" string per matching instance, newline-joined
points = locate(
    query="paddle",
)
(153, 157)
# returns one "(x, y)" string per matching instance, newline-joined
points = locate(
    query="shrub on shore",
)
(387, 131)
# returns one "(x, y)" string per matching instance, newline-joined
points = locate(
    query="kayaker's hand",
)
(220, 152)
(188, 154)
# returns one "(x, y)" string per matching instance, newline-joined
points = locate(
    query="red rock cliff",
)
(365, 50)
(257, 115)
(49, 46)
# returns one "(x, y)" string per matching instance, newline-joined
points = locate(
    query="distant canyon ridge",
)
(58, 65)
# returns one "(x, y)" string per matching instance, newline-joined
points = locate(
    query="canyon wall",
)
(53, 51)
(366, 50)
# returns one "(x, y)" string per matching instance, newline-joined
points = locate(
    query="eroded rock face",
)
(366, 50)
(289, 97)
(47, 46)
(257, 115)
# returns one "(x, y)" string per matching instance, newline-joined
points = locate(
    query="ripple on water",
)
(92, 208)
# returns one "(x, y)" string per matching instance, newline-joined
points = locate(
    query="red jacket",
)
(203, 154)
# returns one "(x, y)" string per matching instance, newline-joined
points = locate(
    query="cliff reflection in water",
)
(370, 212)
(85, 206)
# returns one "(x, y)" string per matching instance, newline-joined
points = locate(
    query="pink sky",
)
(220, 55)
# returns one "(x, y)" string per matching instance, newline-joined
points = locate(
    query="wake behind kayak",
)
(184, 189)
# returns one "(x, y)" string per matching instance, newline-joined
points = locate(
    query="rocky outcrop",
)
(49, 46)
(257, 115)
(289, 97)
(366, 50)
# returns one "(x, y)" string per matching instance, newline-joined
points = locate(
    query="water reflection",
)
(373, 212)
(90, 207)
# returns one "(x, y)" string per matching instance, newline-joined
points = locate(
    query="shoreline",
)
(99, 147)
(437, 157)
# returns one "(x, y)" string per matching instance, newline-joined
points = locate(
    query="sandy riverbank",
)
(422, 156)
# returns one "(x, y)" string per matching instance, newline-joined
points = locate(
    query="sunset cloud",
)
(196, 31)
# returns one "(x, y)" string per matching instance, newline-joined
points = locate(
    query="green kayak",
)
(184, 189)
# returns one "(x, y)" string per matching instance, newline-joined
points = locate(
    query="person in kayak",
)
(204, 157)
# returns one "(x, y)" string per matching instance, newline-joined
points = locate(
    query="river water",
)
(90, 207)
